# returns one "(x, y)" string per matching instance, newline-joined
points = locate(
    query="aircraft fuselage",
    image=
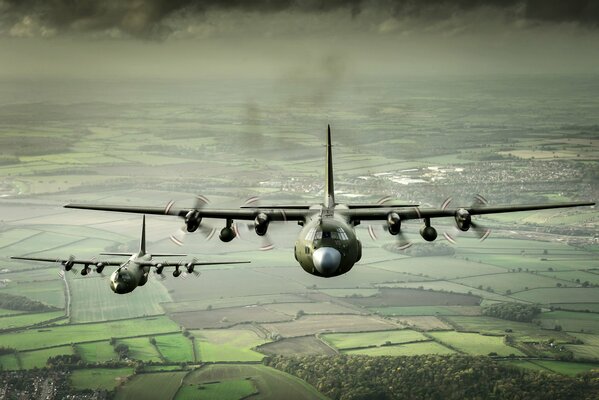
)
(327, 245)
(130, 275)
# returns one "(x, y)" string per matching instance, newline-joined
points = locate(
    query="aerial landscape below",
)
(204, 116)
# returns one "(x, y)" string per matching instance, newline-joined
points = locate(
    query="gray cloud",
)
(156, 19)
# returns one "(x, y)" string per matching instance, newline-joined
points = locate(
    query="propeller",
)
(68, 264)
(393, 226)
(402, 241)
(193, 221)
(260, 225)
(190, 268)
(464, 220)
(159, 272)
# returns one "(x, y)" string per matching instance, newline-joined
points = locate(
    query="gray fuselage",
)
(327, 245)
(130, 274)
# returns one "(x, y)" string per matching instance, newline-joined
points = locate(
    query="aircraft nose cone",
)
(326, 260)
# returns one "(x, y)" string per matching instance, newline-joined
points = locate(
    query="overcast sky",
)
(295, 38)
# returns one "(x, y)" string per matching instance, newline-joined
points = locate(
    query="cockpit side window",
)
(342, 235)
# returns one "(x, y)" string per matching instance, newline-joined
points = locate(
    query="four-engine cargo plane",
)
(135, 271)
(327, 244)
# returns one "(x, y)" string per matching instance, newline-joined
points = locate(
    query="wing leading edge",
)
(381, 213)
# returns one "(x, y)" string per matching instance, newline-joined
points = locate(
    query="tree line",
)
(343, 377)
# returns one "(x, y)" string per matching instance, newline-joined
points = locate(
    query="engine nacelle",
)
(85, 270)
(393, 223)
(227, 234)
(100, 267)
(68, 265)
(189, 267)
(428, 233)
(159, 269)
(261, 224)
(176, 272)
(463, 220)
(193, 220)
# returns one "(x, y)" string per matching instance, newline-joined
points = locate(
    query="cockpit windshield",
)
(338, 234)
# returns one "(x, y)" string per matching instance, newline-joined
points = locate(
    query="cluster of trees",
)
(343, 377)
(22, 303)
(512, 311)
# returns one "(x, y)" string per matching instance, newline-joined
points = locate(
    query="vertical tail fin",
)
(142, 242)
(329, 194)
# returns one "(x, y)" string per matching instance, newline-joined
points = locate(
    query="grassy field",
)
(271, 383)
(444, 268)
(141, 349)
(425, 323)
(175, 347)
(515, 282)
(566, 368)
(475, 344)
(450, 287)
(228, 345)
(570, 321)
(99, 378)
(575, 277)
(560, 295)
(60, 335)
(51, 292)
(9, 362)
(151, 386)
(38, 358)
(411, 349)
(229, 389)
(584, 351)
(365, 339)
(292, 309)
(22, 320)
(304, 345)
(367, 292)
(427, 310)
(96, 352)
(522, 331)
(592, 307)
(92, 300)
(414, 297)
(312, 324)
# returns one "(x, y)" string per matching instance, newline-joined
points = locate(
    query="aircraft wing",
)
(273, 213)
(155, 263)
(381, 213)
(72, 261)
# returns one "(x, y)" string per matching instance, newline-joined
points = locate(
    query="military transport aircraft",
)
(135, 271)
(327, 244)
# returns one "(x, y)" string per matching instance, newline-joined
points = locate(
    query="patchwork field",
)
(225, 317)
(270, 383)
(344, 341)
(62, 335)
(92, 300)
(152, 386)
(411, 349)
(475, 344)
(99, 378)
(520, 330)
(313, 324)
(228, 345)
(303, 345)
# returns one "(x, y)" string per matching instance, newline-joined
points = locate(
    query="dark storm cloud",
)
(153, 19)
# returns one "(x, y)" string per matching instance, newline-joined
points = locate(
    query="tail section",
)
(329, 191)
(142, 241)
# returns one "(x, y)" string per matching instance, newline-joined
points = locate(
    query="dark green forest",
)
(512, 311)
(432, 377)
